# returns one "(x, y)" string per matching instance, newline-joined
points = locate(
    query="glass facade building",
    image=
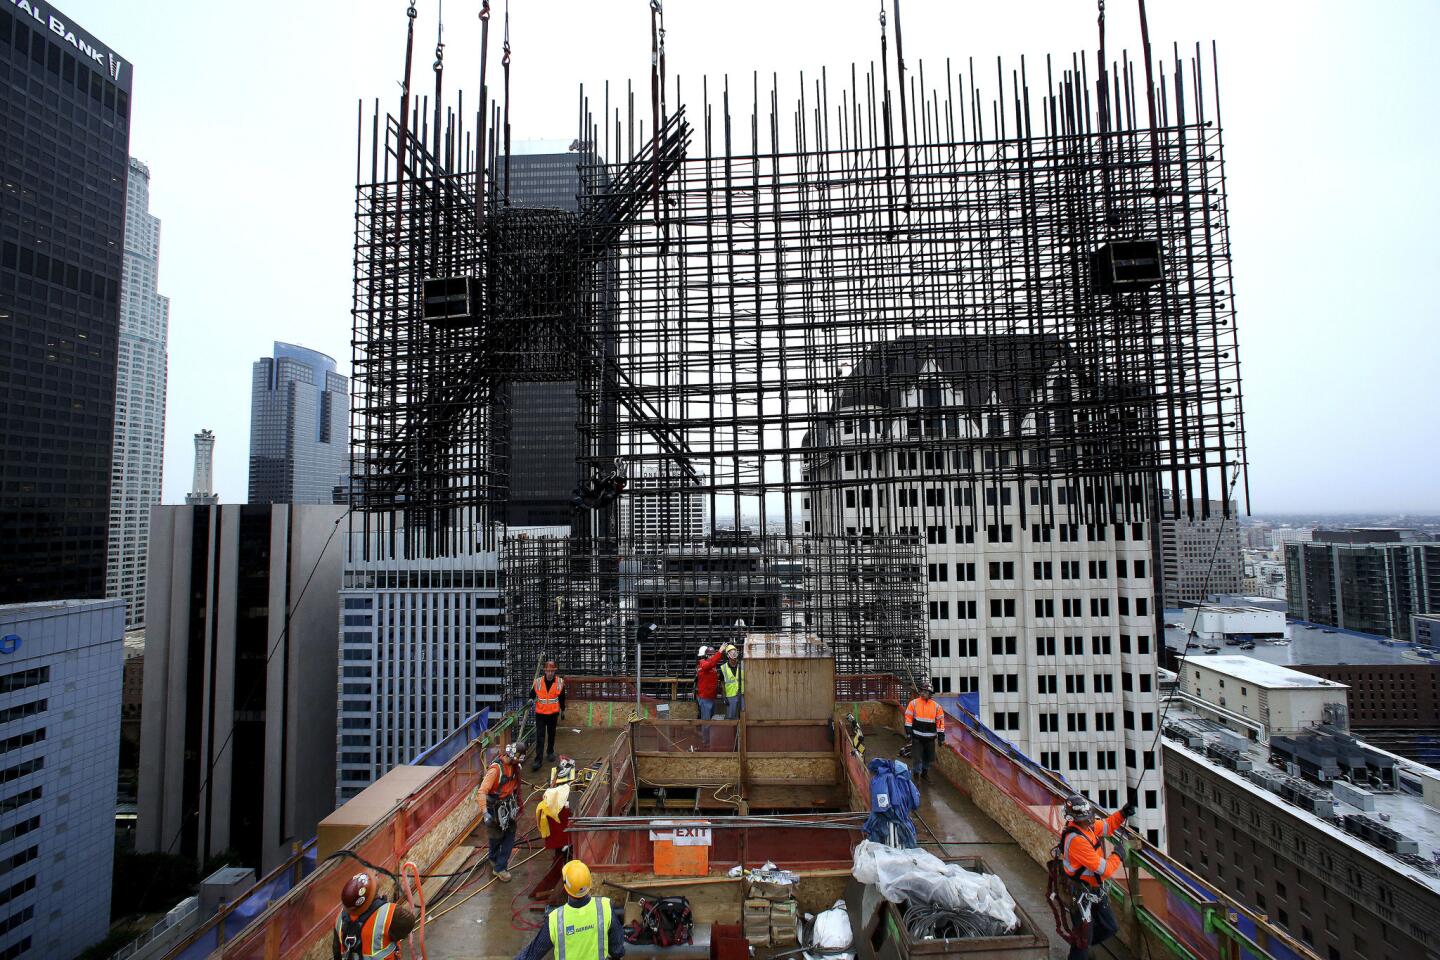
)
(299, 427)
(64, 151)
(543, 439)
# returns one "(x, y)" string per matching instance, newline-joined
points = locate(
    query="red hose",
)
(412, 897)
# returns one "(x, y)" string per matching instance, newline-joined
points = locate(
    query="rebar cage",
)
(785, 330)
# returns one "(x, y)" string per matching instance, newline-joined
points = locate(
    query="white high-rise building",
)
(1200, 551)
(421, 651)
(202, 487)
(651, 514)
(60, 671)
(138, 455)
(1048, 618)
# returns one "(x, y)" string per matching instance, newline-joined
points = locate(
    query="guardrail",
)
(1188, 914)
(182, 912)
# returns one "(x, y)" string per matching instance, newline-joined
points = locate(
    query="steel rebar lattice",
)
(801, 322)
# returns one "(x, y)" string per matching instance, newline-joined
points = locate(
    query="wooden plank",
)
(450, 864)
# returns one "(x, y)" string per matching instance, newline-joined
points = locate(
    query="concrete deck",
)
(491, 923)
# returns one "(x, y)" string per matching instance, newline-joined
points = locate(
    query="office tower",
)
(139, 453)
(59, 753)
(237, 739)
(64, 146)
(299, 427)
(1271, 799)
(1050, 620)
(655, 511)
(543, 439)
(1199, 554)
(421, 650)
(202, 486)
(1370, 581)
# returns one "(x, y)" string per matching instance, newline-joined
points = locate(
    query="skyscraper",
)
(138, 457)
(237, 728)
(64, 146)
(543, 441)
(299, 427)
(202, 486)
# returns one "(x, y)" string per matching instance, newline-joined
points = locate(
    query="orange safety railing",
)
(294, 923)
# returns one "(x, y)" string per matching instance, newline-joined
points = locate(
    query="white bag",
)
(832, 929)
(920, 877)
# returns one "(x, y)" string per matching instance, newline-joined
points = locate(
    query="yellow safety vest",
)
(579, 934)
(734, 679)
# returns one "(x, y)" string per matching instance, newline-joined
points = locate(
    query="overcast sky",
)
(246, 115)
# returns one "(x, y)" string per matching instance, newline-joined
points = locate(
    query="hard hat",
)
(550, 665)
(703, 651)
(925, 687)
(1079, 808)
(358, 892)
(515, 751)
(732, 651)
(577, 879)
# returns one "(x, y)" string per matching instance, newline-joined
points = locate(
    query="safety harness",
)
(351, 931)
(1067, 894)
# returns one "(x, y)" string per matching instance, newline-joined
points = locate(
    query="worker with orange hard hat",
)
(369, 927)
(548, 692)
(584, 927)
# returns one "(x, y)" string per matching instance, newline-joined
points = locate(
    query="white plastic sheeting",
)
(916, 876)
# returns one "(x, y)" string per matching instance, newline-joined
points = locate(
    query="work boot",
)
(503, 876)
(551, 756)
(536, 764)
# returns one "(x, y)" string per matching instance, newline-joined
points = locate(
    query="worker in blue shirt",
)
(583, 928)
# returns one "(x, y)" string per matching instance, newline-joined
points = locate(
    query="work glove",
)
(487, 816)
(1128, 810)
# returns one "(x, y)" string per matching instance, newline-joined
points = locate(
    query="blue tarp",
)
(451, 747)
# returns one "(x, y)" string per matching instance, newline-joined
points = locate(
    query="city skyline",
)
(1289, 321)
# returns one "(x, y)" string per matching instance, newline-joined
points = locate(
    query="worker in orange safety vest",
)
(1082, 847)
(548, 692)
(924, 723)
(369, 926)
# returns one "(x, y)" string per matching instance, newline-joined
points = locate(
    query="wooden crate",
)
(788, 678)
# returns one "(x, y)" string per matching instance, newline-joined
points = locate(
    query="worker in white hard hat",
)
(707, 679)
(584, 927)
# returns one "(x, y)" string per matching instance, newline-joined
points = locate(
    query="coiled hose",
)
(942, 923)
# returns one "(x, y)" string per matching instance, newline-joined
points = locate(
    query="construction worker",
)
(924, 723)
(583, 927)
(548, 692)
(500, 806)
(369, 926)
(707, 680)
(732, 677)
(1082, 849)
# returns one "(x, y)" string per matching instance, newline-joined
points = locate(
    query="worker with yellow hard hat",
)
(583, 927)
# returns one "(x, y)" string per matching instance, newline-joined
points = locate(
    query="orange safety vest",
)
(548, 701)
(1094, 838)
(508, 782)
(924, 718)
(374, 941)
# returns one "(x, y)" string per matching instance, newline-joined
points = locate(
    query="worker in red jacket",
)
(1082, 847)
(707, 679)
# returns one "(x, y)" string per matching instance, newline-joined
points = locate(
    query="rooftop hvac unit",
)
(1353, 795)
(1376, 833)
(1233, 740)
(1229, 758)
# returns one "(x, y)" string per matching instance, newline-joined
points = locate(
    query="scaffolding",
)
(801, 318)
